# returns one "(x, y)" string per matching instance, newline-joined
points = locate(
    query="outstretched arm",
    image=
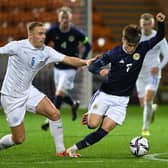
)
(149, 44)
(77, 62)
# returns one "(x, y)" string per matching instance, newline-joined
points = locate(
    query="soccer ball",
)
(139, 146)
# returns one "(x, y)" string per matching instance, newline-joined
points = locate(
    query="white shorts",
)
(110, 106)
(147, 82)
(64, 79)
(15, 108)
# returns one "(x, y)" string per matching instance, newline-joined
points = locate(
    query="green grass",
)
(38, 151)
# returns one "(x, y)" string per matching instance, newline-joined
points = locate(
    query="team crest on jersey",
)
(71, 38)
(56, 37)
(136, 56)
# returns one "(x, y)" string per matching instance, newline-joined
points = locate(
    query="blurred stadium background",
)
(102, 20)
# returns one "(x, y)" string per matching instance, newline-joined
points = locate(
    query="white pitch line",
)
(155, 157)
(51, 162)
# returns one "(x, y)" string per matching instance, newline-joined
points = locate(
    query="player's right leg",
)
(14, 109)
(67, 85)
(107, 125)
(141, 84)
(16, 137)
(149, 110)
(74, 105)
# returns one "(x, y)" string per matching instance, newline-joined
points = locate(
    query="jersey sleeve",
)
(9, 49)
(149, 44)
(54, 56)
(164, 52)
(85, 41)
(99, 63)
(81, 36)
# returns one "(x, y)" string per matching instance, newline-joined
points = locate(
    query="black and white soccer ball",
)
(139, 146)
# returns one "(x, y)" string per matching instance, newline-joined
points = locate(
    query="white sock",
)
(57, 133)
(6, 142)
(147, 115)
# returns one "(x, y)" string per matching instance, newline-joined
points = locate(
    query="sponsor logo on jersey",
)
(136, 56)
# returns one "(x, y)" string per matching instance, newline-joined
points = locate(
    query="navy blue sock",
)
(58, 101)
(92, 138)
(68, 100)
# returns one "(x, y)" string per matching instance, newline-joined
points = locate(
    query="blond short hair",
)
(32, 25)
(147, 16)
(66, 10)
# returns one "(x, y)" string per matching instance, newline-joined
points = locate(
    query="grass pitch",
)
(38, 151)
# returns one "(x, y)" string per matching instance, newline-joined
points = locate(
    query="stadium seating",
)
(14, 16)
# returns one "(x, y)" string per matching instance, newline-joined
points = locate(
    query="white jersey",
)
(23, 64)
(152, 58)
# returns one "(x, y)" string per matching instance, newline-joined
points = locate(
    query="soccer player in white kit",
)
(26, 58)
(148, 81)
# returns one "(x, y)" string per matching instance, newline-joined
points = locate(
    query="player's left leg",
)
(59, 78)
(92, 138)
(46, 108)
(40, 104)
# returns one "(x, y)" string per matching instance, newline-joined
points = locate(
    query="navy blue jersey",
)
(124, 68)
(66, 42)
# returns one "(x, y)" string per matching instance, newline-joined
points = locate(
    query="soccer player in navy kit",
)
(65, 38)
(107, 107)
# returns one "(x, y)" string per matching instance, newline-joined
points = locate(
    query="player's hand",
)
(90, 61)
(84, 119)
(160, 17)
(104, 72)
(154, 70)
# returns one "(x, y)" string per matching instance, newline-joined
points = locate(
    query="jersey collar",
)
(29, 45)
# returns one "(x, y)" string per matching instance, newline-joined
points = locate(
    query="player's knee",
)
(92, 124)
(149, 98)
(55, 115)
(141, 103)
(19, 139)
